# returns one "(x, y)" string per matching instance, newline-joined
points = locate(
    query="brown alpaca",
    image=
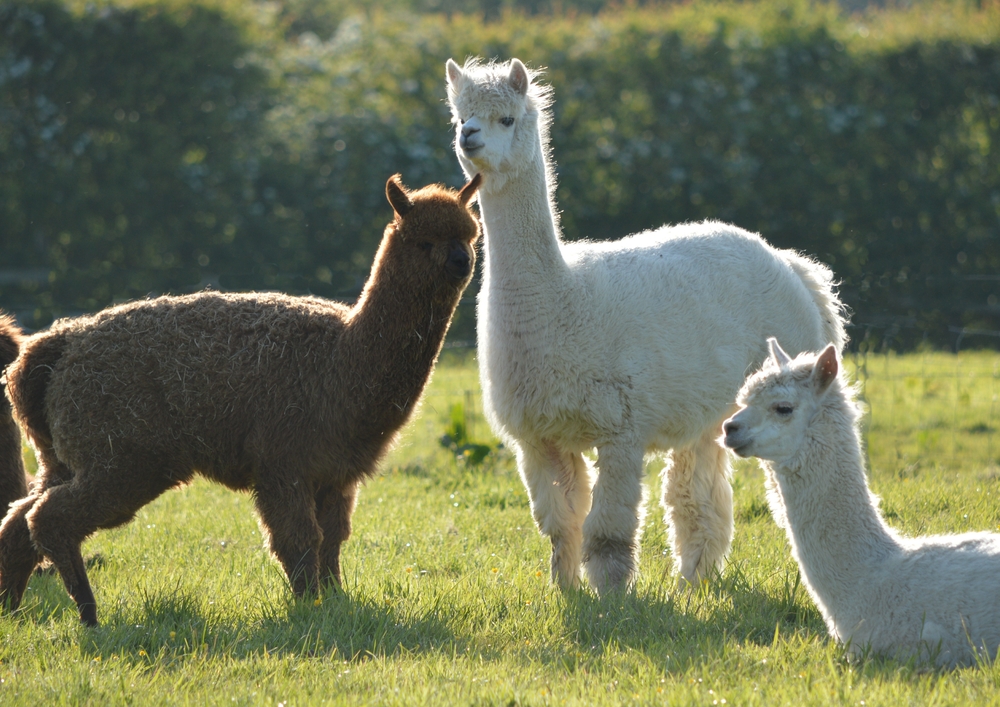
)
(13, 482)
(294, 398)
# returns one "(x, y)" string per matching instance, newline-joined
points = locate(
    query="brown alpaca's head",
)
(432, 238)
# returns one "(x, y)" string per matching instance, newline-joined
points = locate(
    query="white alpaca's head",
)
(500, 116)
(779, 402)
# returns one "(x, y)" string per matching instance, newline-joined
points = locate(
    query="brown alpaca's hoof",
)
(88, 615)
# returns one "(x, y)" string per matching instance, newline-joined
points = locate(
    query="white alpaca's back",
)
(934, 598)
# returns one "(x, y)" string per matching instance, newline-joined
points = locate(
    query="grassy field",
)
(447, 595)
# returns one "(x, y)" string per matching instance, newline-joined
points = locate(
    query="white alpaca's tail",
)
(818, 279)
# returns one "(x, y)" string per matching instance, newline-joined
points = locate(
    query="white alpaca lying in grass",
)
(935, 598)
(630, 346)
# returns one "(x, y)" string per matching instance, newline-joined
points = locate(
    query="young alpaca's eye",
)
(784, 409)
(507, 121)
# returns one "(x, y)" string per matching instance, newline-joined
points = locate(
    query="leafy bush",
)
(870, 142)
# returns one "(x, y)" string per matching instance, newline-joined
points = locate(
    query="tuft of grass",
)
(447, 599)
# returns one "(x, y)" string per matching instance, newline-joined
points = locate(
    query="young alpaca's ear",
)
(826, 368)
(777, 353)
(469, 190)
(396, 194)
(454, 73)
(518, 77)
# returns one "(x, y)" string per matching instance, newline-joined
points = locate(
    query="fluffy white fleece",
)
(629, 346)
(934, 598)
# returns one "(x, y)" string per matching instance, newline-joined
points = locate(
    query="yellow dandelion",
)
(538, 573)
(173, 634)
(408, 570)
(494, 570)
(142, 652)
(318, 602)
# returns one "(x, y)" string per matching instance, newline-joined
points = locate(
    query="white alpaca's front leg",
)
(698, 501)
(611, 531)
(558, 485)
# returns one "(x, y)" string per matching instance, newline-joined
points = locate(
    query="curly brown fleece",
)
(294, 398)
(13, 482)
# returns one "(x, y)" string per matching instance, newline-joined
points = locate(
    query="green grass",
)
(447, 595)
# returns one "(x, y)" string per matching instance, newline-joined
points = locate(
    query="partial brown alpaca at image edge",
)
(13, 482)
(293, 398)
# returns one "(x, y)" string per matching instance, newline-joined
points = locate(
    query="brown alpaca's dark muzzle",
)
(459, 264)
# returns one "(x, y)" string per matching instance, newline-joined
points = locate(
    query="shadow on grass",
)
(171, 625)
(688, 623)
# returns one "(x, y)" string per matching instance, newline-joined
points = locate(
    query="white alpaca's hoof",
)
(700, 567)
(611, 565)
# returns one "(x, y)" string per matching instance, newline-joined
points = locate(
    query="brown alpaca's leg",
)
(18, 556)
(334, 508)
(13, 482)
(288, 519)
(64, 516)
(59, 522)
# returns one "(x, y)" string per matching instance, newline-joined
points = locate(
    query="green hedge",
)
(261, 143)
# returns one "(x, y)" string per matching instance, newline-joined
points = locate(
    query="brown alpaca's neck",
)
(393, 338)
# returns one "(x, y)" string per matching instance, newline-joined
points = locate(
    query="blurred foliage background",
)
(151, 146)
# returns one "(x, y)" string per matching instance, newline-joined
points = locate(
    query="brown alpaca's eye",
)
(507, 122)
(426, 246)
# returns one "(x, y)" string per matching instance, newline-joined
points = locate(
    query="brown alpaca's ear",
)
(396, 194)
(469, 190)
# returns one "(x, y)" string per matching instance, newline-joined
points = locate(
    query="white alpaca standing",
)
(629, 346)
(934, 597)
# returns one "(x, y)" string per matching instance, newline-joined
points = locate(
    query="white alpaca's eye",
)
(784, 409)
(507, 121)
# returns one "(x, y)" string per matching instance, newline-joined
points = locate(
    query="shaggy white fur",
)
(933, 598)
(629, 346)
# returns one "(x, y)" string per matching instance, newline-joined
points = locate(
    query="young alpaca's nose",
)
(730, 427)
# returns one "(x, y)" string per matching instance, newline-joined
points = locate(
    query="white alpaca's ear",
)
(396, 194)
(777, 353)
(518, 77)
(826, 368)
(454, 74)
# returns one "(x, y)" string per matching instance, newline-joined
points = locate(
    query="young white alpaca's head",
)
(500, 117)
(779, 402)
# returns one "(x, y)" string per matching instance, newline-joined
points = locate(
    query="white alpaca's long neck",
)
(523, 252)
(833, 523)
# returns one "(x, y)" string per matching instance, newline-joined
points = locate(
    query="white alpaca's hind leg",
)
(558, 485)
(698, 501)
(611, 532)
